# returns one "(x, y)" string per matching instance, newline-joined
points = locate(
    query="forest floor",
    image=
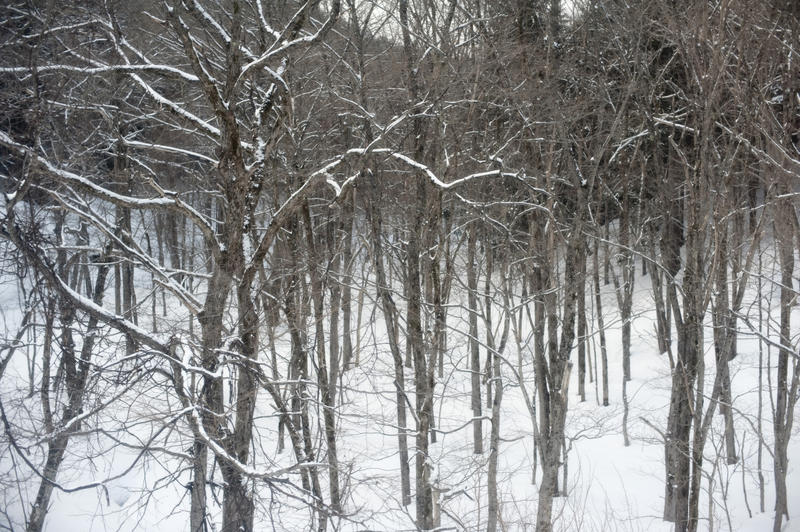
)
(609, 486)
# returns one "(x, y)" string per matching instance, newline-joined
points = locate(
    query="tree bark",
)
(786, 395)
(325, 386)
(475, 360)
(390, 318)
(600, 323)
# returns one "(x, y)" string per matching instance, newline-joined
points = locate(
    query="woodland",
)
(399, 265)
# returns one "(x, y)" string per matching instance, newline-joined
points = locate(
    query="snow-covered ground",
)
(609, 486)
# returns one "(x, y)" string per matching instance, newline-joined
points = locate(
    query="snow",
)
(609, 486)
(92, 71)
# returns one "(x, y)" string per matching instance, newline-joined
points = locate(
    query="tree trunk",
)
(600, 324)
(334, 283)
(390, 318)
(554, 380)
(475, 360)
(494, 448)
(487, 321)
(678, 451)
(325, 386)
(497, 399)
(582, 332)
(348, 225)
(724, 339)
(423, 407)
(786, 395)
(299, 375)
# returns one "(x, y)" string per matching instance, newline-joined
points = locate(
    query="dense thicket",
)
(209, 206)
